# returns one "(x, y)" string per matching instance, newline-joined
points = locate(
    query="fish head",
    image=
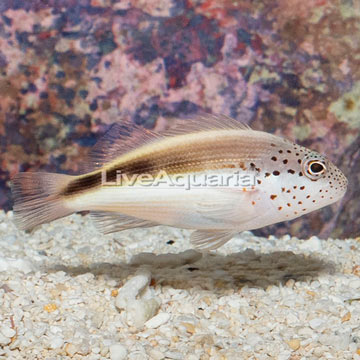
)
(298, 180)
(326, 182)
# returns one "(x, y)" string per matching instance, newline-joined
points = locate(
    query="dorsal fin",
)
(204, 122)
(126, 136)
(119, 139)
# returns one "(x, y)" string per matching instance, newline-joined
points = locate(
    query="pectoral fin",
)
(224, 207)
(210, 240)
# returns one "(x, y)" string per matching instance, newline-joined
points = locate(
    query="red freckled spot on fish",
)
(280, 151)
(253, 203)
(288, 204)
(244, 189)
(294, 197)
(291, 171)
(322, 196)
(258, 181)
(288, 151)
(257, 169)
(273, 145)
(300, 173)
(300, 202)
(283, 189)
(285, 161)
(303, 209)
(280, 207)
(295, 187)
(320, 191)
(308, 197)
(314, 201)
(295, 212)
(302, 187)
(273, 197)
(274, 158)
(299, 161)
(288, 191)
(276, 173)
(267, 174)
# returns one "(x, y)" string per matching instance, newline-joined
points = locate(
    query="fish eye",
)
(314, 169)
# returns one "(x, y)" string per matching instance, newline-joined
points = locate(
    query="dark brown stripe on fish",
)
(91, 181)
(135, 168)
(82, 184)
(207, 155)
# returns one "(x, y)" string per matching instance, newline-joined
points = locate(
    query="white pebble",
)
(156, 354)
(157, 320)
(174, 355)
(117, 352)
(3, 226)
(253, 339)
(7, 331)
(8, 264)
(339, 342)
(10, 239)
(355, 284)
(313, 244)
(140, 311)
(4, 340)
(316, 323)
(132, 288)
(56, 342)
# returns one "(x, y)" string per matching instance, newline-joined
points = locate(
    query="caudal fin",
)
(37, 198)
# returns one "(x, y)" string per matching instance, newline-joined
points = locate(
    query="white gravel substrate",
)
(67, 292)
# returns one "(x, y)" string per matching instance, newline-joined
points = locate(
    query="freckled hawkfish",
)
(122, 187)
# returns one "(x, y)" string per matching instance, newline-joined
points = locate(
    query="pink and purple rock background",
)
(69, 68)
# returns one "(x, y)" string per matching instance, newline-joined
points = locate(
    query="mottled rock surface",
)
(69, 68)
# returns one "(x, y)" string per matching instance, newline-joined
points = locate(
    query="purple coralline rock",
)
(70, 68)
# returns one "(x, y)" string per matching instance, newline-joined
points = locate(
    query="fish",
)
(136, 177)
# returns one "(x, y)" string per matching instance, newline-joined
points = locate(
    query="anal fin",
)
(110, 222)
(210, 240)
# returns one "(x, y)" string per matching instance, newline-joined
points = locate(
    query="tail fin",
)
(37, 198)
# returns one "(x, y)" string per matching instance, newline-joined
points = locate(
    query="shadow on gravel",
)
(209, 271)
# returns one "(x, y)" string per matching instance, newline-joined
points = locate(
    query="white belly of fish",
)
(197, 208)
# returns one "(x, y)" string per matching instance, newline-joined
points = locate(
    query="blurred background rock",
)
(70, 68)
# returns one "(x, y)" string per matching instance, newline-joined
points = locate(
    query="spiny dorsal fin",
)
(119, 139)
(123, 137)
(204, 122)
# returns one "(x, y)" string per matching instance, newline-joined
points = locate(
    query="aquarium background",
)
(70, 68)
